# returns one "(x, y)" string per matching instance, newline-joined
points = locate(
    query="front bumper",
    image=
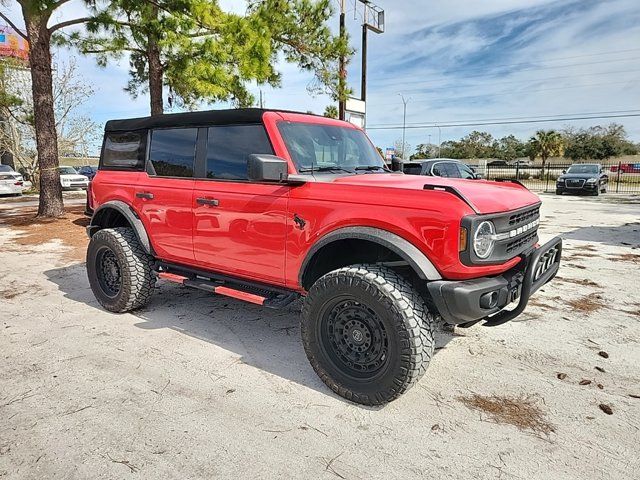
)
(470, 301)
(583, 188)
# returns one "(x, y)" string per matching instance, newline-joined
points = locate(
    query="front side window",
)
(315, 147)
(229, 146)
(124, 150)
(465, 172)
(446, 169)
(173, 152)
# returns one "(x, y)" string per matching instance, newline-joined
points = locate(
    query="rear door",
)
(239, 226)
(163, 193)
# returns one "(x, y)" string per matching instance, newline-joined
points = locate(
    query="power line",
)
(528, 117)
(438, 124)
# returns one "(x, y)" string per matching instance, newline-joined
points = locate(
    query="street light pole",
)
(404, 122)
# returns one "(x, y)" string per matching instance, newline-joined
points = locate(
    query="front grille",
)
(521, 242)
(524, 217)
(574, 183)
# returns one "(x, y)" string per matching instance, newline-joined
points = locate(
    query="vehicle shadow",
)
(263, 338)
(625, 235)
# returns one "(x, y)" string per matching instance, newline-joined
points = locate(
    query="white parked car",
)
(11, 182)
(70, 178)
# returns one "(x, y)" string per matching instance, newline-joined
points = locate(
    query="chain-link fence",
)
(622, 177)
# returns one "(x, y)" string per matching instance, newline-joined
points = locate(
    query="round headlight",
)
(483, 239)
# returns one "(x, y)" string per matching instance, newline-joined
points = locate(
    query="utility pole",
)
(439, 139)
(342, 81)
(404, 122)
(372, 19)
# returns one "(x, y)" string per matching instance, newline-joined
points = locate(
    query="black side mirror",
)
(564, 171)
(267, 168)
(396, 164)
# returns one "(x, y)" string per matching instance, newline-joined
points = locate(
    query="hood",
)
(73, 177)
(578, 176)
(485, 196)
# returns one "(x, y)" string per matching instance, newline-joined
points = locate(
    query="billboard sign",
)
(389, 153)
(12, 44)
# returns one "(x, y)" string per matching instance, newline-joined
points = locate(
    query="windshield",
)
(5, 168)
(68, 171)
(583, 169)
(326, 147)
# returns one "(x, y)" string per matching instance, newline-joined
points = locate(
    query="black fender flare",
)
(128, 213)
(403, 248)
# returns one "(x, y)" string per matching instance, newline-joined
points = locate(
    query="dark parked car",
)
(88, 171)
(440, 167)
(583, 178)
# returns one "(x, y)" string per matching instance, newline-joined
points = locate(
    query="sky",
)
(470, 62)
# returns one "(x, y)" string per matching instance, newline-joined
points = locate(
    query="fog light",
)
(489, 300)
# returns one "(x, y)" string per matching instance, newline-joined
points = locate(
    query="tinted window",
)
(465, 172)
(124, 150)
(413, 168)
(173, 152)
(229, 146)
(583, 169)
(446, 169)
(67, 171)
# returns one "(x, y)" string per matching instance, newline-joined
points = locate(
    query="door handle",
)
(145, 195)
(211, 202)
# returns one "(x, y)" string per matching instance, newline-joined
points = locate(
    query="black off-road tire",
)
(133, 286)
(393, 303)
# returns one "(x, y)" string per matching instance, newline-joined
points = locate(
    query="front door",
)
(164, 192)
(239, 226)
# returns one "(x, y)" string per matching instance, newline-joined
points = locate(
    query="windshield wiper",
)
(324, 169)
(371, 168)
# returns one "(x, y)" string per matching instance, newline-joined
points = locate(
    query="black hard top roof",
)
(191, 119)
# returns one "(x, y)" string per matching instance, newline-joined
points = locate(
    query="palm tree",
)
(546, 143)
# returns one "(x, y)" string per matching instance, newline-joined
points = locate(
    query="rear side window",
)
(173, 152)
(124, 150)
(228, 147)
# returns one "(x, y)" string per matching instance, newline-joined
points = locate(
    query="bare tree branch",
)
(12, 25)
(69, 23)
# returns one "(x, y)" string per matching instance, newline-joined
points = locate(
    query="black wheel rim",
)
(354, 338)
(108, 271)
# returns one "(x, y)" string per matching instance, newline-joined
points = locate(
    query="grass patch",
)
(587, 303)
(585, 282)
(625, 257)
(70, 228)
(521, 412)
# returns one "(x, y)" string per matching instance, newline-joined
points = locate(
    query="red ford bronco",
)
(268, 206)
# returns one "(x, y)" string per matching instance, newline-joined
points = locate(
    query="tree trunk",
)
(155, 78)
(51, 204)
(156, 72)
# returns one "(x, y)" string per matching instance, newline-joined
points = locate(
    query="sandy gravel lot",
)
(196, 386)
